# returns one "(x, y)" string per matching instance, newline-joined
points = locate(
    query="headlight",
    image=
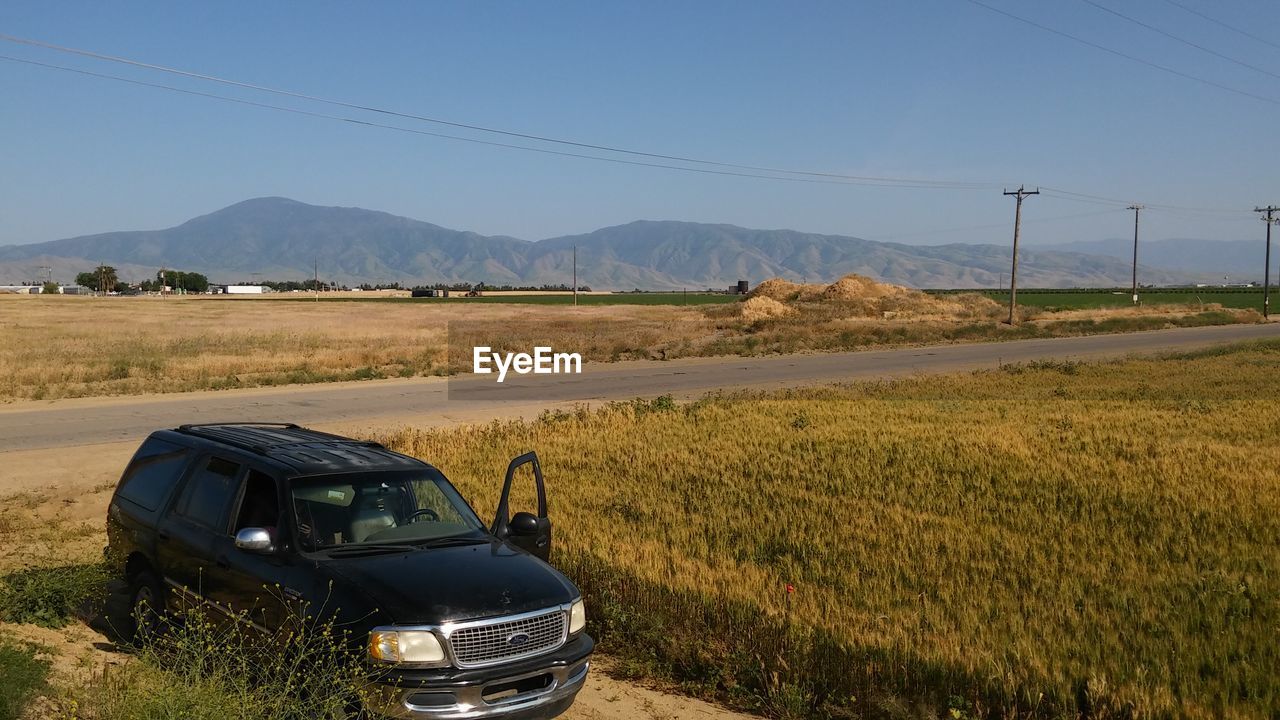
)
(577, 617)
(418, 647)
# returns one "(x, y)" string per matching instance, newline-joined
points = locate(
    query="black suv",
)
(463, 620)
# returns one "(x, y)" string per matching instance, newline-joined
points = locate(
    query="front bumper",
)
(532, 690)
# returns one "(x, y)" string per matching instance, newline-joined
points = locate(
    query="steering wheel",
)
(435, 516)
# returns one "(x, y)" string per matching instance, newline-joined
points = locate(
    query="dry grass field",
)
(1058, 540)
(62, 346)
(76, 347)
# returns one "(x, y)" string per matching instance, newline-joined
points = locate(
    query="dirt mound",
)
(779, 290)
(761, 307)
(858, 287)
(861, 296)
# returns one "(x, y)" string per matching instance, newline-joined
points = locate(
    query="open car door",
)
(531, 533)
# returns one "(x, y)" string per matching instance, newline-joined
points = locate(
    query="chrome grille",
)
(505, 640)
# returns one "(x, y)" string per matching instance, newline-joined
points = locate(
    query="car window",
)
(379, 507)
(154, 471)
(207, 496)
(434, 503)
(260, 503)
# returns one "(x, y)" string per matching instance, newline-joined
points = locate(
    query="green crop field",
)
(645, 298)
(1052, 300)
(1055, 540)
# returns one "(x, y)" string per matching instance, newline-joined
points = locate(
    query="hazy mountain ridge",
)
(1216, 257)
(278, 238)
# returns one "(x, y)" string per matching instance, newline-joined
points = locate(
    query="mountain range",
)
(281, 239)
(1243, 258)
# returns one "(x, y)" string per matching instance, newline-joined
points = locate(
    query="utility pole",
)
(1020, 194)
(575, 276)
(316, 268)
(1136, 209)
(1270, 210)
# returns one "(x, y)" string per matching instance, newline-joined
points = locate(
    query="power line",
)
(1215, 21)
(913, 182)
(512, 146)
(1126, 56)
(992, 226)
(758, 171)
(1101, 200)
(1182, 40)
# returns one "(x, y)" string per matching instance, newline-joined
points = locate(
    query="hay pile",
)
(780, 290)
(860, 296)
(761, 307)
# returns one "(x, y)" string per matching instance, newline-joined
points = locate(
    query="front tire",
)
(146, 607)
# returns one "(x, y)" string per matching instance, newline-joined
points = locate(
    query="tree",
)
(177, 280)
(103, 278)
(50, 288)
(194, 282)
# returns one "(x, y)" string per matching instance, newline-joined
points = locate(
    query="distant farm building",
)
(39, 289)
(246, 289)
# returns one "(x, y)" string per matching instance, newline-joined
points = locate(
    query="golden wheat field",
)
(1055, 540)
(76, 347)
(62, 346)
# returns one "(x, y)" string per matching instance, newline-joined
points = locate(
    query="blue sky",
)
(935, 89)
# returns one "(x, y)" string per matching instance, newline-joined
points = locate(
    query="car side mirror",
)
(255, 540)
(523, 523)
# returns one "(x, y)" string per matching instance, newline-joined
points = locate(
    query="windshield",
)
(371, 508)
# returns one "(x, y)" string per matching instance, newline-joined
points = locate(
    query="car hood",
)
(452, 584)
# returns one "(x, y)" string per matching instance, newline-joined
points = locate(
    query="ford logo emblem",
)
(517, 639)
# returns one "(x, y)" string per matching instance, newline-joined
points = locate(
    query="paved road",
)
(435, 401)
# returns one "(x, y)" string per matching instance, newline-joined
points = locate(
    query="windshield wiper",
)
(371, 549)
(452, 541)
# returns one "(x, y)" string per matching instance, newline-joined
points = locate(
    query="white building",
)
(246, 289)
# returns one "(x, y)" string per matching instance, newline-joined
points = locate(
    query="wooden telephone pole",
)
(1020, 193)
(1136, 209)
(575, 276)
(1270, 210)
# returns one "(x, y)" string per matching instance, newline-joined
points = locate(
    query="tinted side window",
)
(260, 504)
(207, 496)
(155, 470)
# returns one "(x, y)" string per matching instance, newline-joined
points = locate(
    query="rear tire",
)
(146, 607)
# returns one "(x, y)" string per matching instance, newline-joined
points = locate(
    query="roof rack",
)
(238, 440)
(190, 426)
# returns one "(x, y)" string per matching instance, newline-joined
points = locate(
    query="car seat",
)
(369, 515)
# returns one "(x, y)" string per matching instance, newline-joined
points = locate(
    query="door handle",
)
(162, 534)
(223, 562)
